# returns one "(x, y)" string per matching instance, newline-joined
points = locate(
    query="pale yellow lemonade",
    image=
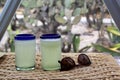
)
(51, 53)
(25, 54)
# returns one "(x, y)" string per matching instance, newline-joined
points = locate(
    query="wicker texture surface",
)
(103, 67)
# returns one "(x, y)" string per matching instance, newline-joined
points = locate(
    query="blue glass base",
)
(24, 68)
(50, 69)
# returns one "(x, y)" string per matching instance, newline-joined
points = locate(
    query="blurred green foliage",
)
(114, 36)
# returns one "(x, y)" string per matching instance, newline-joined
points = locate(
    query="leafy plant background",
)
(50, 14)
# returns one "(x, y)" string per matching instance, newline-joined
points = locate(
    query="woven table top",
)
(103, 67)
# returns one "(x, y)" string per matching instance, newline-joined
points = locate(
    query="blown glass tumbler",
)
(50, 46)
(25, 51)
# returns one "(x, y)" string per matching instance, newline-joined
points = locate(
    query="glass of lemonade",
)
(50, 46)
(25, 51)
